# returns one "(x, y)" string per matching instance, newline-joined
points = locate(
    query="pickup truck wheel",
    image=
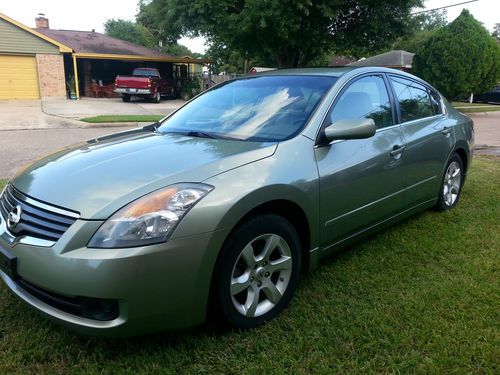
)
(157, 97)
(126, 98)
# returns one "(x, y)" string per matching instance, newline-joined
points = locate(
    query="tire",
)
(451, 185)
(126, 98)
(267, 280)
(157, 97)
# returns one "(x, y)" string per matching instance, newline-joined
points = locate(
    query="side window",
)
(436, 103)
(365, 98)
(413, 98)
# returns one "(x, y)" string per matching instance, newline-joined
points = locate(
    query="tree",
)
(496, 32)
(129, 31)
(420, 28)
(293, 33)
(135, 32)
(459, 59)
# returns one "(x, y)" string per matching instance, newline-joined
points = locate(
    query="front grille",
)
(38, 220)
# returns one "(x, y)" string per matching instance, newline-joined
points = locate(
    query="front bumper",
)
(133, 91)
(158, 287)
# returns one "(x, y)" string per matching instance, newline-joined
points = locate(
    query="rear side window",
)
(365, 98)
(414, 100)
(436, 103)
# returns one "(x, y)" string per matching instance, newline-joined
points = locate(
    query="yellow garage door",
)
(18, 78)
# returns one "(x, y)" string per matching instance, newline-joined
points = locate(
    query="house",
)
(39, 62)
(339, 61)
(259, 69)
(397, 59)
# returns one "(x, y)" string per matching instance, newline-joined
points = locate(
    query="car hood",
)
(100, 176)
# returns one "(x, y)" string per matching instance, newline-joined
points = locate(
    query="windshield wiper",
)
(200, 134)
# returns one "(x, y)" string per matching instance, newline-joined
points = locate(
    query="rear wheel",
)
(126, 98)
(451, 187)
(257, 272)
(157, 97)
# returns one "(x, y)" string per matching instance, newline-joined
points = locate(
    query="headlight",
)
(150, 219)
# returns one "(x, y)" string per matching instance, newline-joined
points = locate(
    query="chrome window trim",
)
(421, 119)
(339, 90)
(429, 88)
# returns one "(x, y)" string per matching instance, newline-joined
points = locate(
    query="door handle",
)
(397, 150)
(446, 130)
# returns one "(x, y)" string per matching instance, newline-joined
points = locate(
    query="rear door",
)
(361, 182)
(428, 136)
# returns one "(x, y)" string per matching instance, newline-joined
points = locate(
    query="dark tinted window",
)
(414, 100)
(436, 103)
(268, 108)
(138, 72)
(365, 98)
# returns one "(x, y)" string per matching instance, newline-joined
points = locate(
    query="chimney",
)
(41, 21)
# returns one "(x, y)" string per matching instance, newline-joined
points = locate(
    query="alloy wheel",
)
(261, 275)
(452, 183)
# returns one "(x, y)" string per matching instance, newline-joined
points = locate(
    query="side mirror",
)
(350, 129)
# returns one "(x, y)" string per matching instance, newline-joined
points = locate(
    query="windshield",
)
(145, 73)
(269, 108)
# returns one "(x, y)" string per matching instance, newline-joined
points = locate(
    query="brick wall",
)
(51, 75)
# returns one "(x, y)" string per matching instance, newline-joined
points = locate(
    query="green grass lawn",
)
(422, 297)
(475, 107)
(122, 118)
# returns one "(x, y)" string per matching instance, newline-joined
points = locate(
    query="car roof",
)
(333, 72)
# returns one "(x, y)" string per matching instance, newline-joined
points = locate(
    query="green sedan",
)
(219, 208)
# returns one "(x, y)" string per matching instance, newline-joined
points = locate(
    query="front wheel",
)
(451, 186)
(257, 272)
(126, 98)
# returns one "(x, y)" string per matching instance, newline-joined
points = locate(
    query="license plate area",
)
(8, 263)
(132, 90)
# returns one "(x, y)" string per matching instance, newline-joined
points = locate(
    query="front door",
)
(361, 182)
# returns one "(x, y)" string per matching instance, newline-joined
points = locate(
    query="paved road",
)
(20, 147)
(487, 128)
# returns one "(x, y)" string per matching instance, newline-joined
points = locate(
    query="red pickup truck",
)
(145, 83)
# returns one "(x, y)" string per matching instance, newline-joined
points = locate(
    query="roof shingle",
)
(93, 42)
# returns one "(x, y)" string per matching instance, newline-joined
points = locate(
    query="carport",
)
(96, 73)
(97, 59)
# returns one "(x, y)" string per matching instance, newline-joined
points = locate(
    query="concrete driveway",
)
(28, 114)
(88, 107)
(62, 113)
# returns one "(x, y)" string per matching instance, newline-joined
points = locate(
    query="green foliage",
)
(70, 84)
(420, 28)
(191, 88)
(496, 32)
(130, 31)
(135, 32)
(291, 33)
(459, 59)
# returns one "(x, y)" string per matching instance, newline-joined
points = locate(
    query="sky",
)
(91, 14)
